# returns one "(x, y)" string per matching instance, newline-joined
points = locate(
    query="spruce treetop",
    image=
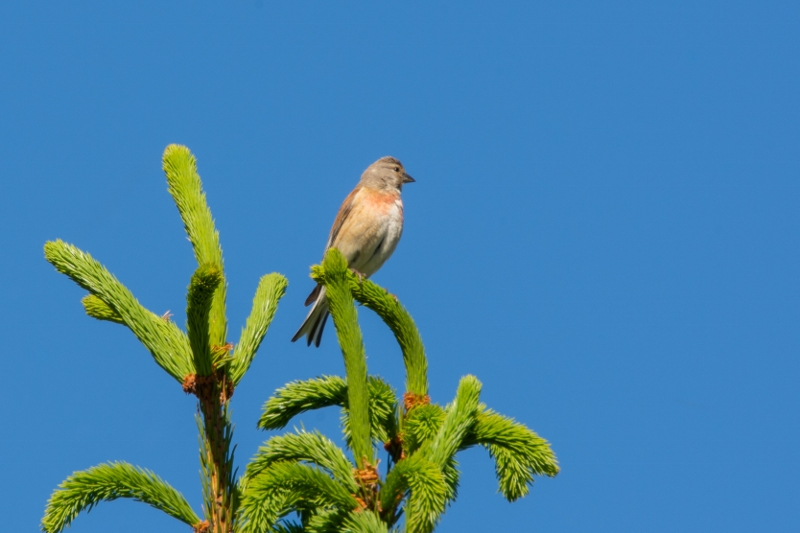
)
(300, 481)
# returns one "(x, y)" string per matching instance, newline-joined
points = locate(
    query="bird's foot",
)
(359, 275)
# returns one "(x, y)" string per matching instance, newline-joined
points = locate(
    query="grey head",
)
(386, 174)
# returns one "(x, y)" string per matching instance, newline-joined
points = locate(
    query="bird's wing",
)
(341, 216)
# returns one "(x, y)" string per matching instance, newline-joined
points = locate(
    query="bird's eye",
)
(397, 169)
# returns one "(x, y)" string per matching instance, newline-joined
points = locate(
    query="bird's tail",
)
(315, 320)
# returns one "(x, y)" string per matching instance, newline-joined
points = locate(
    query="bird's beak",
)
(407, 178)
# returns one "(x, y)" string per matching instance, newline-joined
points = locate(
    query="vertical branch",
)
(216, 458)
(345, 318)
(207, 332)
(204, 282)
(186, 189)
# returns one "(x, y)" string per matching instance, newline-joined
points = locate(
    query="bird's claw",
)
(359, 275)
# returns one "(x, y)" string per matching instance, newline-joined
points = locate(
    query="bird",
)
(366, 231)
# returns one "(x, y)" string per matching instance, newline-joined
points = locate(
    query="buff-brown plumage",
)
(366, 230)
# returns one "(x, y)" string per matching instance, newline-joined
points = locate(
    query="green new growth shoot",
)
(345, 319)
(421, 439)
(200, 359)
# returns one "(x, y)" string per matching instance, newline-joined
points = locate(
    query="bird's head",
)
(387, 173)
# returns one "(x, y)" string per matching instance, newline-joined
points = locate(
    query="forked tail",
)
(315, 320)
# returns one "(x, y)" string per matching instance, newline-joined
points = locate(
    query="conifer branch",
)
(519, 453)
(382, 412)
(312, 448)
(458, 421)
(287, 526)
(205, 281)
(451, 476)
(300, 396)
(421, 425)
(106, 482)
(364, 522)
(220, 490)
(325, 520)
(394, 315)
(423, 481)
(271, 289)
(206, 465)
(286, 487)
(166, 342)
(183, 181)
(345, 318)
(97, 308)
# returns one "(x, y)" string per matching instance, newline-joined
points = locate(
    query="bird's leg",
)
(359, 275)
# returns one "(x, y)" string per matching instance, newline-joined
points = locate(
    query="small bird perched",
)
(366, 230)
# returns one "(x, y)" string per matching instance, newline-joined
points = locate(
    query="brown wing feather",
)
(341, 216)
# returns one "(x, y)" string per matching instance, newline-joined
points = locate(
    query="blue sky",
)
(604, 230)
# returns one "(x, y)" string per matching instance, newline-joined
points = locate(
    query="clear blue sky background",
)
(604, 230)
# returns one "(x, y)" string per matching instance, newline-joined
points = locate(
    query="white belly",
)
(386, 238)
